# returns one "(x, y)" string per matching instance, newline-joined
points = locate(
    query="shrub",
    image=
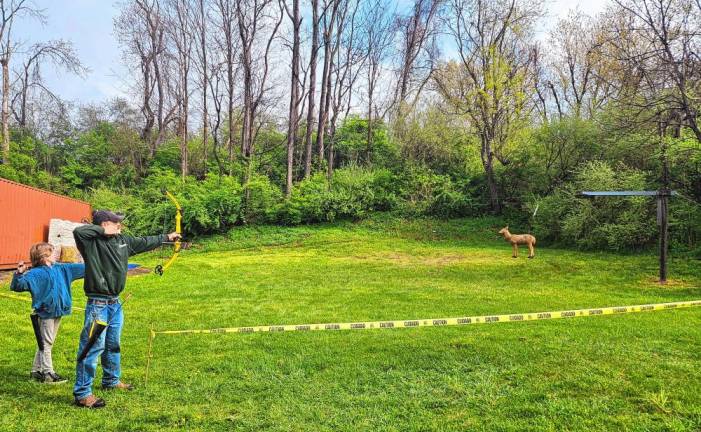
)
(426, 193)
(602, 222)
(306, 203)
(262, 201)
(353, 193)
(212, 206)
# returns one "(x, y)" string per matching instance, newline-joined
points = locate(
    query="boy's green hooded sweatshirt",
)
(106, 258)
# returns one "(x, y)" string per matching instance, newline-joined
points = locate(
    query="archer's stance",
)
(50, 286)
(106, 252)
(519, 239)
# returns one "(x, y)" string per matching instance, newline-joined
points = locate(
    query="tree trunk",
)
(322, 115)
(488, 163)
(227, 27)
(22, 121)
(247, 127)
(325, 84)
(294, 98)
(184, 163)
(159, 110)
(205, 84)
(371, 91)
(312, 88)
(329, 170)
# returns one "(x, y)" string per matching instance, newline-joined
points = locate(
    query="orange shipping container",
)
(24, 218)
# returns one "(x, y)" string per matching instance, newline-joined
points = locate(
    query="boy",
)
(106, 252)
(50, 286)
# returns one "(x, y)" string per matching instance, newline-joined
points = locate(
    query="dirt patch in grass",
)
(139, 271)
(406, 259)
(654, 282)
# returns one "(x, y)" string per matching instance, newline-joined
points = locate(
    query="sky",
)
(88, 25)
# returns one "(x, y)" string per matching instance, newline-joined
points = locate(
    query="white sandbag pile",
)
(61, 237)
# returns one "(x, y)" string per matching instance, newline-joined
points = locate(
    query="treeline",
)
(265, 111)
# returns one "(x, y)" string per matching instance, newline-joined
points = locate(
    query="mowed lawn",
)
(625, 372)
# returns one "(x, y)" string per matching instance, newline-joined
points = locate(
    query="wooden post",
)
(662, 201)
(663, 222)
(151, 337)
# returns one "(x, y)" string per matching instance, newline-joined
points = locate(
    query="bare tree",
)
(216, 81)
(258, 24)
(379, 36)
(541, 82)
(350, 57)
(293, 121)
(59, 53)
(140, 28)
(489, 83)
(181, 37)
(331, 8)
(656, 47)
(312, 88)
(228, 43)
(9, 11)
(576, 66)
(201, 23)
(419, 51)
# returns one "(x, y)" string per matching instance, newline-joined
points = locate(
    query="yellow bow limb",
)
(177, 244)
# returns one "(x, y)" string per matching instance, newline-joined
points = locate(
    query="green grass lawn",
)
(627, 372)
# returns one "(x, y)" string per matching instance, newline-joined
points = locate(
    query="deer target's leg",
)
(515, 252)
(531, 250)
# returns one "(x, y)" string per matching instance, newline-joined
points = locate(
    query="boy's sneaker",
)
(37, 376)
(53, 378)
(120, 386)
(91, 402)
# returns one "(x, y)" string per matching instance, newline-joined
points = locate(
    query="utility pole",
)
(662, 208)
(663, 222)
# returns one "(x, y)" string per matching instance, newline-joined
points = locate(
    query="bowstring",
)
(163, 231)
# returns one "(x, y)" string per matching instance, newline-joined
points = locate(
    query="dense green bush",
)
(306, 203)
(262, 201)
(351, 144)
(352, 194)
(602, 222)
(427, 193)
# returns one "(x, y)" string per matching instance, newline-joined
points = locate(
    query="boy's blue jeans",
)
(106, 347)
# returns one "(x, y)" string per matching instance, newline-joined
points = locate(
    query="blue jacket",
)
(50, 288)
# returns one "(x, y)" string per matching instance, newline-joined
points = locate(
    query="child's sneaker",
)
(90, 402)
(37, 376)
(53, 378)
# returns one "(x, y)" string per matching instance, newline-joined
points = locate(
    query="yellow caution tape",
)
(29, 299)
(440, 322)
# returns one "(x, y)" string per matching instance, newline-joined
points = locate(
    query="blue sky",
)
(88, 24)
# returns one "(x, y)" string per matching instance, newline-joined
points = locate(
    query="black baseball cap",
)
(99, 216)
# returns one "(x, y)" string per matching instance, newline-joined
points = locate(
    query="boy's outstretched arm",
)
(19, 282)
(75, 271)
(138, 245)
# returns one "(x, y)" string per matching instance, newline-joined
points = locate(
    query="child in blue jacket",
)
(50, 286)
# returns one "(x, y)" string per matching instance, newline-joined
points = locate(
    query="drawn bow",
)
(176, 244)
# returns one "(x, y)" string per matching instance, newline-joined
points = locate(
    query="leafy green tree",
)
(352, 146)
